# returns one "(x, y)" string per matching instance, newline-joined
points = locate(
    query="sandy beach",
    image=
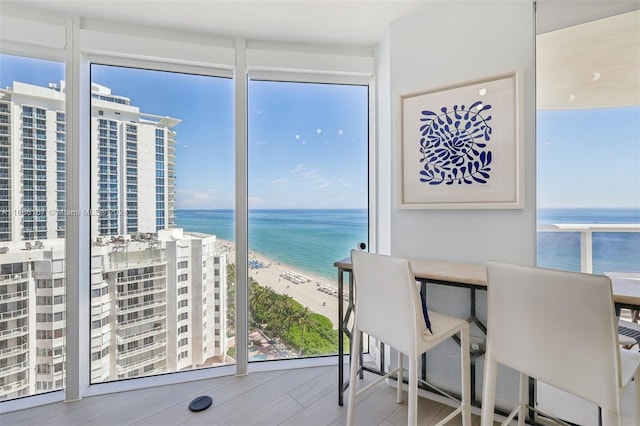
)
(316, 293)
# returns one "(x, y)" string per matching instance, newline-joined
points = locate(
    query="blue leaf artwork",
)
(453, 145)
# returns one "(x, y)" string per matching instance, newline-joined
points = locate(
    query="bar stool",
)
(388, 307)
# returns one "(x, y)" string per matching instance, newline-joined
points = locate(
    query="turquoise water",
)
(612, 251)
(311, 240)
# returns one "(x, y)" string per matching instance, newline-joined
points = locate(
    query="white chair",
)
(560, 328)
(388, 307)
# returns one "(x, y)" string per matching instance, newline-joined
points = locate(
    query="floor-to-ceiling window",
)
(588, 161)
(588, 144)
(308, 207)
(32, 226)
(161, 159)
(150, 147)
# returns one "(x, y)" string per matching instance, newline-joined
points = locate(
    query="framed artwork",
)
(461, 146)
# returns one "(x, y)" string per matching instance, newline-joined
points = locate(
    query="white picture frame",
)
(461, 146)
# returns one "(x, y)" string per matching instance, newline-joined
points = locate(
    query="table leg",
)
(340, 338)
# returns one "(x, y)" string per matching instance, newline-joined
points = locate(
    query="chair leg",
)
(522, 399)
(489, 389)
(400, 380)
(465, 365)
(636, 386)
(413, 392)
(353, 373)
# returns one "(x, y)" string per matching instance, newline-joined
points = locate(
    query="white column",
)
(242, 239)
(77, 226)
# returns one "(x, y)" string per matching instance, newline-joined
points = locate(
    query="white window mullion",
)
(77, 225)
(242, 239)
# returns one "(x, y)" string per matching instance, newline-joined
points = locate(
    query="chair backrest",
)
(556, 326)
(387, 300)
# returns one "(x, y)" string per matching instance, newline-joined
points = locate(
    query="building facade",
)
(135, 167)
(32, 162)
(158, 294)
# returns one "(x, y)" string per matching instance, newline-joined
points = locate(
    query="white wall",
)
(457, 42)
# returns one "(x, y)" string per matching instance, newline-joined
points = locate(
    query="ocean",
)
(612, 251)
(312, 240)
(309, 240)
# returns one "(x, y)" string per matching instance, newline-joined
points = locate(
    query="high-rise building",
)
(134, 150)
(157, 304)
(158, 294)
(32, 162)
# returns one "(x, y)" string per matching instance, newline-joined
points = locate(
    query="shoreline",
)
(318, 294)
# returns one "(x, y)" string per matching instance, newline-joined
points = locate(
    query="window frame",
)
(77, 57)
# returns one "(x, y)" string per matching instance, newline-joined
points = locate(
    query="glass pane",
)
(32, 224)
(161, 142)
(308, 207)
(588, 146)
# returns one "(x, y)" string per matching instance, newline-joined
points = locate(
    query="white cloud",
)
(313, 177)
(196, 198)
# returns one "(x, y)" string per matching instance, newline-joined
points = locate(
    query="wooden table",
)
(626, 294)
(626, 289)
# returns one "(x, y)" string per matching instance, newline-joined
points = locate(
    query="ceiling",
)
(353, 23)
(591, 65)
(574, 45)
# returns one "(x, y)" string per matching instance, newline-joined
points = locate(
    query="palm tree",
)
(303, 317)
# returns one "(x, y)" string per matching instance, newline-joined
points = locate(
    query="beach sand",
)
(282, 279)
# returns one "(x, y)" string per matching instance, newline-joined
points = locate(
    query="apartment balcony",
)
(13, 278)
(158, 330)
(14, 369)
(142, 291)
(14, 296)
(142, 277)
(13, 351)
(124, 369)
(140, 306)
(15, 314)
(122, 355)
(15, 386)
(141, 321)
(14, 332)
(586, 232)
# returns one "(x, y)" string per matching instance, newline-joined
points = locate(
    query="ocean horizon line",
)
(278, 209)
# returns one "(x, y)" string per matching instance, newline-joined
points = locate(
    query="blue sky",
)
(589, 158)
(294, 132)
(304, 140)
(307, 142)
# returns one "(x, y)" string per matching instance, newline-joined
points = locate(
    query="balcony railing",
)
(121, 355)
(143, 305)
(586, 237)
(122, 369)
(127, 337)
